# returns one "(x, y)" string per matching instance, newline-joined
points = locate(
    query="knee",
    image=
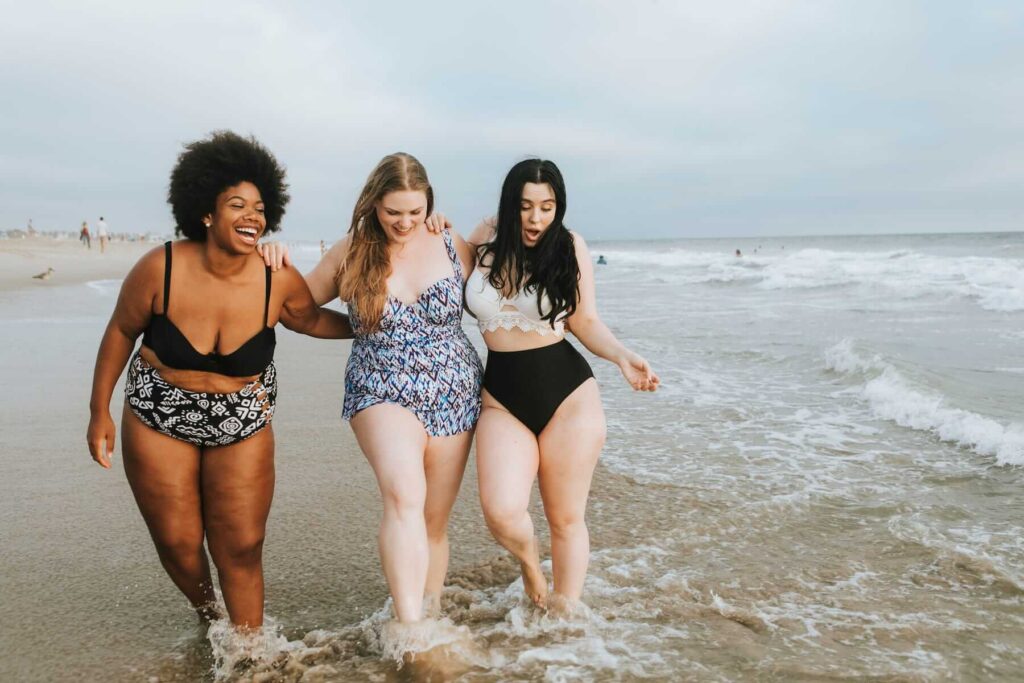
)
(178, 547)
(567, 524)
(403, 498)
(502, 519)
(437, 527)
(238, 551)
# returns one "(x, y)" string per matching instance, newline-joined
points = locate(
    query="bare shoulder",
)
(148, 268)
(579, 243)
(336, 254)
(287, 277)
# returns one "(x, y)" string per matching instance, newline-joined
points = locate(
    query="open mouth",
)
(248, 235)
(532, 235)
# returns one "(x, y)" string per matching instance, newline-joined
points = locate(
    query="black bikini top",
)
(175, 350)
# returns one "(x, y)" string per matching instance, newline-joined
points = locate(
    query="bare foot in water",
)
(561, 607)
(534, 583)
(209, 613)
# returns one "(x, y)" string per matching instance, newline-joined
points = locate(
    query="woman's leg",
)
(506, 463)
(444, 465)
(238, 487)
(394, 442)
(569, 448)
(164, 475)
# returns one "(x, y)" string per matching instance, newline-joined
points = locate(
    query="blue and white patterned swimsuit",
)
(419, 358)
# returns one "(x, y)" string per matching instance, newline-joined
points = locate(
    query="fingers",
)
(648, 380)
(281, 257)
(275, 255)
(437, 222)
(99, 452)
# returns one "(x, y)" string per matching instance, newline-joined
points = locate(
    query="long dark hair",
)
(550, 266)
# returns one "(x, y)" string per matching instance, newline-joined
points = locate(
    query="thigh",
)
(506, 458)
(238, 487)
(444, 464)
(164, 475)
(569, 448)
(394, 442)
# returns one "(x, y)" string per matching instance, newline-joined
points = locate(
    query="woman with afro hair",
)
(196, 431)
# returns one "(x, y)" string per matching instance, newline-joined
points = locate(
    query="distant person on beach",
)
(83, 235)
(412, 384)
(323, 248)
(542, 416)
(101, 232)
(738, 253)
(31, 231)
(196, 431)
(601, 261)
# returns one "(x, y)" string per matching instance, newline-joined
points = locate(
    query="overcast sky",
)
(667, 118)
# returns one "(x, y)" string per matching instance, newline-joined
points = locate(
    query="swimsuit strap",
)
(167, 275)
(453, 254)
(266, 304)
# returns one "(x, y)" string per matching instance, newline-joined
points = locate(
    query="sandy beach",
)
(80, 566)
(72, 262)
(826, 487)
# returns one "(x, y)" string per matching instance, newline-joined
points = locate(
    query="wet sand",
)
(84, 594)
(71, 261)
(762, 517)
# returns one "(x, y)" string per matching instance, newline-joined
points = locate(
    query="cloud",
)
(684, 117)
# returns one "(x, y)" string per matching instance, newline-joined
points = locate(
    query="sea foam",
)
(995, 284)
(893, 397)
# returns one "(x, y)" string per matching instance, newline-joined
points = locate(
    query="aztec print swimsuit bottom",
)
(200, 418)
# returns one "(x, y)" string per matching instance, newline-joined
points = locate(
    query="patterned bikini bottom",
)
(200, 418)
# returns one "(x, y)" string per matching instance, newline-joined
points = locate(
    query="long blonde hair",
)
(362, 278)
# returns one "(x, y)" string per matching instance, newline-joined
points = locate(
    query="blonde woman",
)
(412, 384)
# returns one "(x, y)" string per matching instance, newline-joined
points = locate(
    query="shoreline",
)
(72, 262)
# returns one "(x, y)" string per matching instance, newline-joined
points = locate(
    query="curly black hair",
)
(208, 167)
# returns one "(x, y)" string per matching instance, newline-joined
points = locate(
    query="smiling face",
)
(536, 211)
(238, 220)
(401, 213)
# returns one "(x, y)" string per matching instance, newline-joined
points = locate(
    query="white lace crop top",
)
(493, 311)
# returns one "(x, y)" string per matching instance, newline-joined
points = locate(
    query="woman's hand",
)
(100, 437)
(275, 254)
(638, 372)
(436, 222)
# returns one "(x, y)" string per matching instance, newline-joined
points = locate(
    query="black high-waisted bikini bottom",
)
(532, 384)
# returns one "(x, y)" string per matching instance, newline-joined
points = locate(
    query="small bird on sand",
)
(44, 276)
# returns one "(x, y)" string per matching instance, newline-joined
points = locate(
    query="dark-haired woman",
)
(542, 417)
(196, 429)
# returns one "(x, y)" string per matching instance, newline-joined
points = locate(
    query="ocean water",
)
(828, 486)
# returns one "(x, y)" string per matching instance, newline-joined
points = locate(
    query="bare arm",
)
(466, 252)
(482, 233)
(131, 316)
(588, 327)
(321, 280)
(300, 312)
